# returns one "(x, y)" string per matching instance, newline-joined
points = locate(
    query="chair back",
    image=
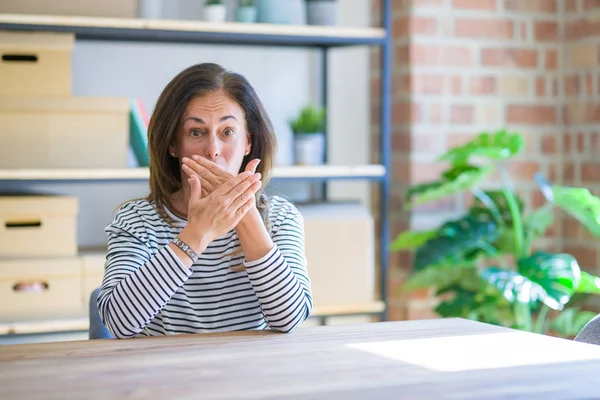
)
(590, 333)
(97, 328)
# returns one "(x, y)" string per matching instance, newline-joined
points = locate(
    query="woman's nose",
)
(213, 150)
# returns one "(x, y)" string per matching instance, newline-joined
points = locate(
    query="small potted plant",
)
(309, 136)
(245, 11)
(321, 12)
(215, 11)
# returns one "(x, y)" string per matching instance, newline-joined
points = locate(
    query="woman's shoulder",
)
(282, 210)
(136, 215)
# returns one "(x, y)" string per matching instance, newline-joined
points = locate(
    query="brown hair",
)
(198, 80)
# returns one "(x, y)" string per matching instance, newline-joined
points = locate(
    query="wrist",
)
(195, 238)
(252, 217)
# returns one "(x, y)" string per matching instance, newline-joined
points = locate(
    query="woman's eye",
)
(196, 132)
(228, 132)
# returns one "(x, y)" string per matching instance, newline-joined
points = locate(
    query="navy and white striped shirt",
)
(146, 289)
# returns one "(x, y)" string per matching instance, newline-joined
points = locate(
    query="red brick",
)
(523, 170)
(555, 87)
(571, 5)
(569, 173)
(571, 85)
(405, 112)
(540, 86)
(589, 5)
(458, 139)
(461, 114)
(531, 114)
(482, 85)
(590, 172)
(589, 84)
(427, 84)
(424, 171)
(419, 142)
(551, 59)
(456, 85)
(545, 6)
(549, 144)
(582, 113)
(594, 147)
(447, 204)
(546, 31)
(436, 113)
(405, 26)
(573, 229)
(582, 28)
(475, 4)
(524, 31)
(580, 142)
(484, 28)
(587, 257)
(509, 57)
(445, 55)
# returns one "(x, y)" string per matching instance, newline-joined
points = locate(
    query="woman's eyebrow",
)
(201, 121)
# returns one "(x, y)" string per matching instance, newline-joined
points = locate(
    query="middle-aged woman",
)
(206, 251)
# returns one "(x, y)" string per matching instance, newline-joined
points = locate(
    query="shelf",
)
(134, 29)
(324, 172)
(82, 324)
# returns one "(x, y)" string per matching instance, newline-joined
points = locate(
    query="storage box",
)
(44, 289)
(340, 253)
(92, 273)
(74, 132)
(92, 8)
(38, 226)
(35, 63)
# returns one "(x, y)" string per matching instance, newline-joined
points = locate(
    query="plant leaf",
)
(498, 198)
(557, 274)
(441, 276)
(514, 286)
(411, 239)
(538, 222)
(578, 202)
(457, 242)
(588, 283)
(497, 146)
(570, 321)
(455, 180)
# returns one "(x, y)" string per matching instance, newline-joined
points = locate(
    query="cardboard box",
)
(88, 8)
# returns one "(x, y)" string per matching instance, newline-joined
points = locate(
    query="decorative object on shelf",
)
(321, 12)
(309, 136)
(246, 11)
(276, 11)
(215, 11)
(467, 260)
(150, 9)
(138, 132)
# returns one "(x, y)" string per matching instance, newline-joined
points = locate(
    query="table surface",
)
(445, 358)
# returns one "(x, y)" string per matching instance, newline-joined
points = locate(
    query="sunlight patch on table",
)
(474, 352)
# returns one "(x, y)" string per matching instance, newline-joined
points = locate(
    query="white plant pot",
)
(309, 149)
(215, 13)
(323, 12)
(150, 9)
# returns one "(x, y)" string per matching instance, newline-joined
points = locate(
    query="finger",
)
(196, 187)
(211, 167)
(191, 167)
(248, 194)
(252, 165)
(243, 209)
(206, 185)
(232, 184)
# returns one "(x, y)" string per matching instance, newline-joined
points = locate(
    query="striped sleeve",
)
(137, 284)
(280, 279)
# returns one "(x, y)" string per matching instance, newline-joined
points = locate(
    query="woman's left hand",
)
(210, 174)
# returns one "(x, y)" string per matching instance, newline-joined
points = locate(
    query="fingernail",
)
(259, 160)
(185, 159)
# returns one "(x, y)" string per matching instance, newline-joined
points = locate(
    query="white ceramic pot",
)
(309, 149)
(321, 12)
(215, 13)
(149, 9)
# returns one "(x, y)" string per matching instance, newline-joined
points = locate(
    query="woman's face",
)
(214, 127)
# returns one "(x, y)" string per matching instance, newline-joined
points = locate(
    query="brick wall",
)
(465, 66)
(581, 141)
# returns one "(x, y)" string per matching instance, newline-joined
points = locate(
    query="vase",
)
(275, 11)
(321, 12)
(309, 149)
(245, 14)
(215, 13)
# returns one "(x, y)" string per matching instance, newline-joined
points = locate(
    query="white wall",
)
(284, 79)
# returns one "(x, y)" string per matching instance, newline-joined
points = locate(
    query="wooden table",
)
(436, 359)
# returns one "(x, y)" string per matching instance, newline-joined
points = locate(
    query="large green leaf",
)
(498, 201)
(588, 283)
(458, 242)
(514, 286)
(443, 276)
(455, 180)
(412, 239)
(497, 146)
(557, 274)
(536, 223)
(570, 321)
(578, 202)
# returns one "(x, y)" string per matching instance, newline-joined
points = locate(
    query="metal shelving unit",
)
(311, 37)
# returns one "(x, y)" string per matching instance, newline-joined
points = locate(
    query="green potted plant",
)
(484, 265)
(321, 12)
(215, 11)
(245, 11)
(309, 136)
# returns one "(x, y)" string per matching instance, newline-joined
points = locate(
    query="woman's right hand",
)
(219, 212)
